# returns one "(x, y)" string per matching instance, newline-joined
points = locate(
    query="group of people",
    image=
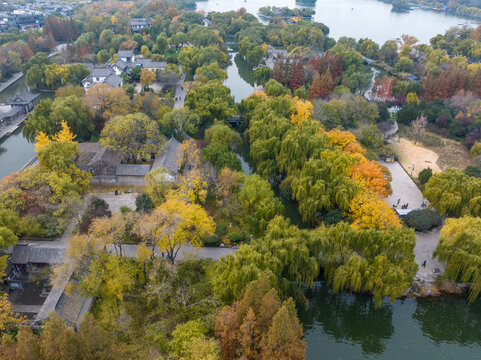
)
(403, 206)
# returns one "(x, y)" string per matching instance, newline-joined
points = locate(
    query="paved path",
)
(7, 130)
(405, 189)
(180, 92)
(58, 50)
(115, 203)
(10, 81)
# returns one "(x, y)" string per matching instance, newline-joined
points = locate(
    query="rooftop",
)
(22, 99)
(169, 156)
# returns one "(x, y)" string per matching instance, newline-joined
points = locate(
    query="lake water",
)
(357, 18)
(346, 326)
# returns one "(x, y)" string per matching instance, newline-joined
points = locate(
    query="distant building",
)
(127, 61)
(139, 24)
(102, 75)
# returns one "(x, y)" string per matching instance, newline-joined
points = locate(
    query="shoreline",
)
(6, 84)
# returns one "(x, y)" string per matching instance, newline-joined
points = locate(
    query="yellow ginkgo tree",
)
(174, 224)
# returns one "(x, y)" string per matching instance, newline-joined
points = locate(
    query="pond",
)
(347, 326)
(357, 18)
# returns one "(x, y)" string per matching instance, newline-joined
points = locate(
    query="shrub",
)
(423, 220)
(212, 241)
(235, 237)
(96, 208)
(425, 175)
(144, 203)
(436, 219)
(474, 171)
(221, 230)
(333, 217)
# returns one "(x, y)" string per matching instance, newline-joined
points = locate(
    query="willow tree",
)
(303, 141)
(459, 247)
(381, 262)
(454, 193)
(286, 255)
(265, 132)
(324, 184)
(258, 204)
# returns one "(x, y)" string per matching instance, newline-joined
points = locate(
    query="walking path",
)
(405, 189)
(115, 203)
(10, 81)
(180, 92)
(8, 129)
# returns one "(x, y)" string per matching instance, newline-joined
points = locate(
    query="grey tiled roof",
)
(23, 98)
(125, 53)
(35, 254)
(97, 159)
(102, 72)
(114, 80)
(132, 170)
(148, 63)
(121, 64)
(140, 21)
(169, 156)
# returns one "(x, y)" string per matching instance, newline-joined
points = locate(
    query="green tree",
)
(103, 56)
(211, 101)
(210, 72)
(324, 184)
(184, 334)
(262, 75)
(258, 204)
(459, 247)
(274, 88)
(454, 193)
(179, 120)
(48, 115)
(425, 175)
(134, 136)
(161, 42)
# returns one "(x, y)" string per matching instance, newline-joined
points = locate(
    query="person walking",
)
(424, 264)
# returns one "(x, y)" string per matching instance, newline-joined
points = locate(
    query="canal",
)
(15, 150)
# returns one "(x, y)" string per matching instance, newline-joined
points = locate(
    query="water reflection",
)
(349, 318)
(240, 78)
(450, 320)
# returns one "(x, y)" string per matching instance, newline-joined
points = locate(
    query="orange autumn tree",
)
(346, 141)
(369, 211)
(370, 175)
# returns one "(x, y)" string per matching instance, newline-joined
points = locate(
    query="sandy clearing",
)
(410, 154)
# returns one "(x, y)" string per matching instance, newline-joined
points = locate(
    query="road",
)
(406, 190)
